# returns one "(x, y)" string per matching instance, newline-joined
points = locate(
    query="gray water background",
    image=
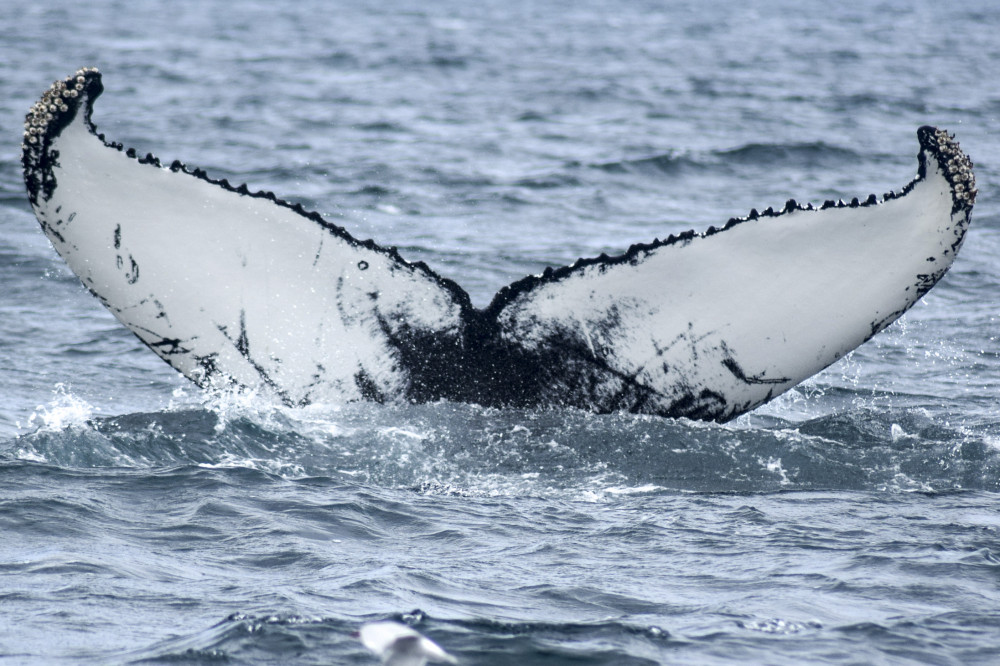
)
(853, 520)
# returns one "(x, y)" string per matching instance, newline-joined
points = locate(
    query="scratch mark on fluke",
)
(248, 289)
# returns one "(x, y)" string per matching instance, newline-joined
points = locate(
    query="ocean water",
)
(854, 520)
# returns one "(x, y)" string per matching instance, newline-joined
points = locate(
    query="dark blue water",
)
(853, 520)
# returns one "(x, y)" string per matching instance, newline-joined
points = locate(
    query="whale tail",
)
(229, 285)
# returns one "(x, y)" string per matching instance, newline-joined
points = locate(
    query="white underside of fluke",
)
(242, 287)
(211, 279)
(751, 312)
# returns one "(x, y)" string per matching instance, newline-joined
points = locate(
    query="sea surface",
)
(854, 520)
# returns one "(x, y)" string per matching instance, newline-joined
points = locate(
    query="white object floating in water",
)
(399, 645)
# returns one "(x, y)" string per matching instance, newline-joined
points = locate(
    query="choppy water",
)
(854, 520)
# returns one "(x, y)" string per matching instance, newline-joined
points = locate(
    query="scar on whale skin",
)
(242, 288)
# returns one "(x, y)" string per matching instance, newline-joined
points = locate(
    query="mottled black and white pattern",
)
(233, 286)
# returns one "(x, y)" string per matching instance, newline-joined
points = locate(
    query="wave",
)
(668, 162)
(249, 637)
(255, 637)
(816, 153)
(465, 450)
(779, 155)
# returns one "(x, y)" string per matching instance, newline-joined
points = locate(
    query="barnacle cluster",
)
(957, 166)
(49, 115)
(54, 102)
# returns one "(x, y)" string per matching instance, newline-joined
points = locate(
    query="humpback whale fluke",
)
(236, 286)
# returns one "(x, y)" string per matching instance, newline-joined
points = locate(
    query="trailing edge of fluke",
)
(237, 287)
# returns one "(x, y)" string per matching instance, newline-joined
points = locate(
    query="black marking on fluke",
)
(477, 363)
